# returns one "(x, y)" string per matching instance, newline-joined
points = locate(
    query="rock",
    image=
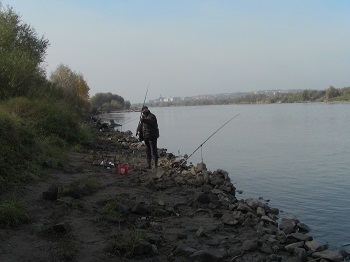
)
(143, 247)
(269, 220)
(274, 257)
(291, 247)
(315, 246)
(216, 181)
(266, 249)
(244, 207)
(281, 236)
(229, 219)
(303, 228)
(226, 189)
(250, 245)
(51, 193)
(300, 254)
(209, 255)
(223, 173)
(300, 237)
(253, 203)
(201, 167)
(202, 198)
(62, 227)
(274, 211)
(200, 232)
(190, 226)
(288, 225)
(206, 176)
(329, 255)
(184, 250)
(260, 211)
(159, 173)
(37, 227)
(141, 208)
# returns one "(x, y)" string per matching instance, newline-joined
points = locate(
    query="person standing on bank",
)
(149, 126)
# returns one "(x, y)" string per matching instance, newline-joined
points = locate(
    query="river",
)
(296, 156)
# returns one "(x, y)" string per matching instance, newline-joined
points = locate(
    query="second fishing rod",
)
(200, 146)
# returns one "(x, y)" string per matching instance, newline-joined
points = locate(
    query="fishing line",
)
(201, 145)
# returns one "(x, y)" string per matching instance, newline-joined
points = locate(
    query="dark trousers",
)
(151, 148)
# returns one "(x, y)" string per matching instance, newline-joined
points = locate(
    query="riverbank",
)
(88, 212)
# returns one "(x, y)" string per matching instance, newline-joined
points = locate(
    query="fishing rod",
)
(130, 119)
(205, 142)
(140, 133)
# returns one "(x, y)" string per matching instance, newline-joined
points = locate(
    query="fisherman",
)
(148, 125)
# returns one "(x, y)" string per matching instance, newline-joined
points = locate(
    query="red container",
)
(123, 169)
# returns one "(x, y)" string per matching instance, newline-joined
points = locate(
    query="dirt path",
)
(93, 230)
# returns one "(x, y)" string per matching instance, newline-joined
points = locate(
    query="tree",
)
(22, 52)
(331, 92)
(74, 86)
(108, 102)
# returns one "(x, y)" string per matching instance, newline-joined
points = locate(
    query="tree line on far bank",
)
(331, 94)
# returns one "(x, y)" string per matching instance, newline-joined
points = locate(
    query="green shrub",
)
(51, 119)
(124, 246)
(18, 150)
(81, 187)
(12, 212)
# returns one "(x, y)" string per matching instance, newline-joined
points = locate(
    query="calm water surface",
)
(295, 155)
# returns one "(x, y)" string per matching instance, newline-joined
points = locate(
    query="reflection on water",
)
(296, 155)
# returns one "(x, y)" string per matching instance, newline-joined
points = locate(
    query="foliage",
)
(331, 92)
(22, 52)
(75, 89)
(49, 119)
(106, 102)
(85, 186)
(124, 245)
(33, 134)
(17, 161)
(12, 212)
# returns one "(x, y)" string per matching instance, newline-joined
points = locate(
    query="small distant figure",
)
(148, 131)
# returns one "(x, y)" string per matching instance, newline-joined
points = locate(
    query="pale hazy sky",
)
(191, 47)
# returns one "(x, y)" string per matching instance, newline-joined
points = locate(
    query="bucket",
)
(123, 169)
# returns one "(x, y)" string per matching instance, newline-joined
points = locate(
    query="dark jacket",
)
(149, 125)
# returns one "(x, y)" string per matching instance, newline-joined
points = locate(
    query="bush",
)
(12, 212)
(19, 150)
(51, 119)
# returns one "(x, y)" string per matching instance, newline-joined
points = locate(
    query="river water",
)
(296, 156)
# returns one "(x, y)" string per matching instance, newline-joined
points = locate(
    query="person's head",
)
(145, 110)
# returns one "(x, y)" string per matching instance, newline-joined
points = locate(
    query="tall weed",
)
(12, 212)
(18, 150)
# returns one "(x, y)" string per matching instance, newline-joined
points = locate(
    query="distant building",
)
(163, 99)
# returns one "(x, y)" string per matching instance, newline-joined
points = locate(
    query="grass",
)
(81, 187)
(66, 248)
(70, 204)
(124, 246)
(111, 209)
(12, 212)
(34, 135)
(115, 208)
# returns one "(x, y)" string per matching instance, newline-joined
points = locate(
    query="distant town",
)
(222, 95)
(277, 96)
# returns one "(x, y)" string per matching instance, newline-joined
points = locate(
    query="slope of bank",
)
(88, 212)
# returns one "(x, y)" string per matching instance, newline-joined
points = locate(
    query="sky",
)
(183, 48)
